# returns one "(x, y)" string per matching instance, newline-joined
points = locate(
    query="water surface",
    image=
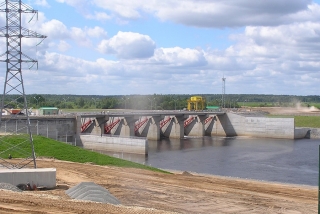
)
(276, 160)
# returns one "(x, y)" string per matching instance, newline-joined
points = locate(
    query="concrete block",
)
(45, 177)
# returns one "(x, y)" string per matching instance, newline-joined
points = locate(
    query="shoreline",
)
(241, 179)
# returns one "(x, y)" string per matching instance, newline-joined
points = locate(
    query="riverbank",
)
(143, 191)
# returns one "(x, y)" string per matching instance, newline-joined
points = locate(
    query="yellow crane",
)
(196, 103)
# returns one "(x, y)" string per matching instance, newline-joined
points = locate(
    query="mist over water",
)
(276, 160)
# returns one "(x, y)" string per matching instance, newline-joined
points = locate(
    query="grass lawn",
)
(46, 147)
(302, 121)
(307, 121)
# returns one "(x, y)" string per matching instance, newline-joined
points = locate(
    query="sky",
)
(122, 47)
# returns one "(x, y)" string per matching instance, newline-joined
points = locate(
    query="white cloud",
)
(128, 45)
(211, 14)
(101, 16)
(96, 32)
(277, 52)
(63, 46)
(79, 35)
(179, 57)
(42, 3)
(269, 60)
(56, 29)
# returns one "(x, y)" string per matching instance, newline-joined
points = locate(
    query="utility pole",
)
(13, 85)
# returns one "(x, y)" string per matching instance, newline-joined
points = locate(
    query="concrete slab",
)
(42, 177)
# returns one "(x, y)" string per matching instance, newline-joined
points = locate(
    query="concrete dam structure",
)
(130, 131)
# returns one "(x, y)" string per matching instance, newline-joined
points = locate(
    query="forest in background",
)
(159, 101)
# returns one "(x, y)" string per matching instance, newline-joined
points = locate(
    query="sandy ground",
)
(310, 111)
(142, 191)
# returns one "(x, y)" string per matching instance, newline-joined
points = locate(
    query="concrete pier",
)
(196, 127)
(175, 128)
(153, 131)
(126, 126)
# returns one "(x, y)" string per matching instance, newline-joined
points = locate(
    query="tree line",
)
(156, 101)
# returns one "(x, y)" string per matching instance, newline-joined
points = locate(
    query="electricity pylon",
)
(14, 97)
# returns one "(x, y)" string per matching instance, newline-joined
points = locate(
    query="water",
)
(276, 160)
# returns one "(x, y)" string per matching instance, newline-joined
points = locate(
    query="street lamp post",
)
(95, 102)
(65, 100)
(37, 99)
(175, 104)
(151, 102)
(235, 103)
(125, 102)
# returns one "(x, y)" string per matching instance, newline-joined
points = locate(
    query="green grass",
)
(256, 104)
(46, 147)
(302, 121)
(91, 110)
(307, 121)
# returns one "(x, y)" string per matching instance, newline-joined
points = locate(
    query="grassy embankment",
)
(307, 121)
(46, 147)
(302, 121)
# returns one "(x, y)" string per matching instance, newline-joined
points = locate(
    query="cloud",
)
(101, 16)
(63, 46)
(96, 32)
(267, 60)
(179, 57)
(209, 14)
(42, 3)
(55, 28)
(234, 13)
(276, 52)
(128, 45)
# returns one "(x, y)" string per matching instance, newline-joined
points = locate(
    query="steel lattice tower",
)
(13, 93)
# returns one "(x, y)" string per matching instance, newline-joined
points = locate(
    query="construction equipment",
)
(196, 103)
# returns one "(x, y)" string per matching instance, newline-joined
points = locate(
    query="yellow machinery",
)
(196, 103)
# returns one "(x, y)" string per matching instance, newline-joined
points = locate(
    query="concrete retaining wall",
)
(301, 133)
(115, 144)
(40, 177)
(312, 133)
(238, 125)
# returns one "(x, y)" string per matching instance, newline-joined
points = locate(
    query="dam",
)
(95, 131)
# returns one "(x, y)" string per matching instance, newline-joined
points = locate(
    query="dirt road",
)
(142, 191)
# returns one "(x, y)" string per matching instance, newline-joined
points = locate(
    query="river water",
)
(275, 160)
